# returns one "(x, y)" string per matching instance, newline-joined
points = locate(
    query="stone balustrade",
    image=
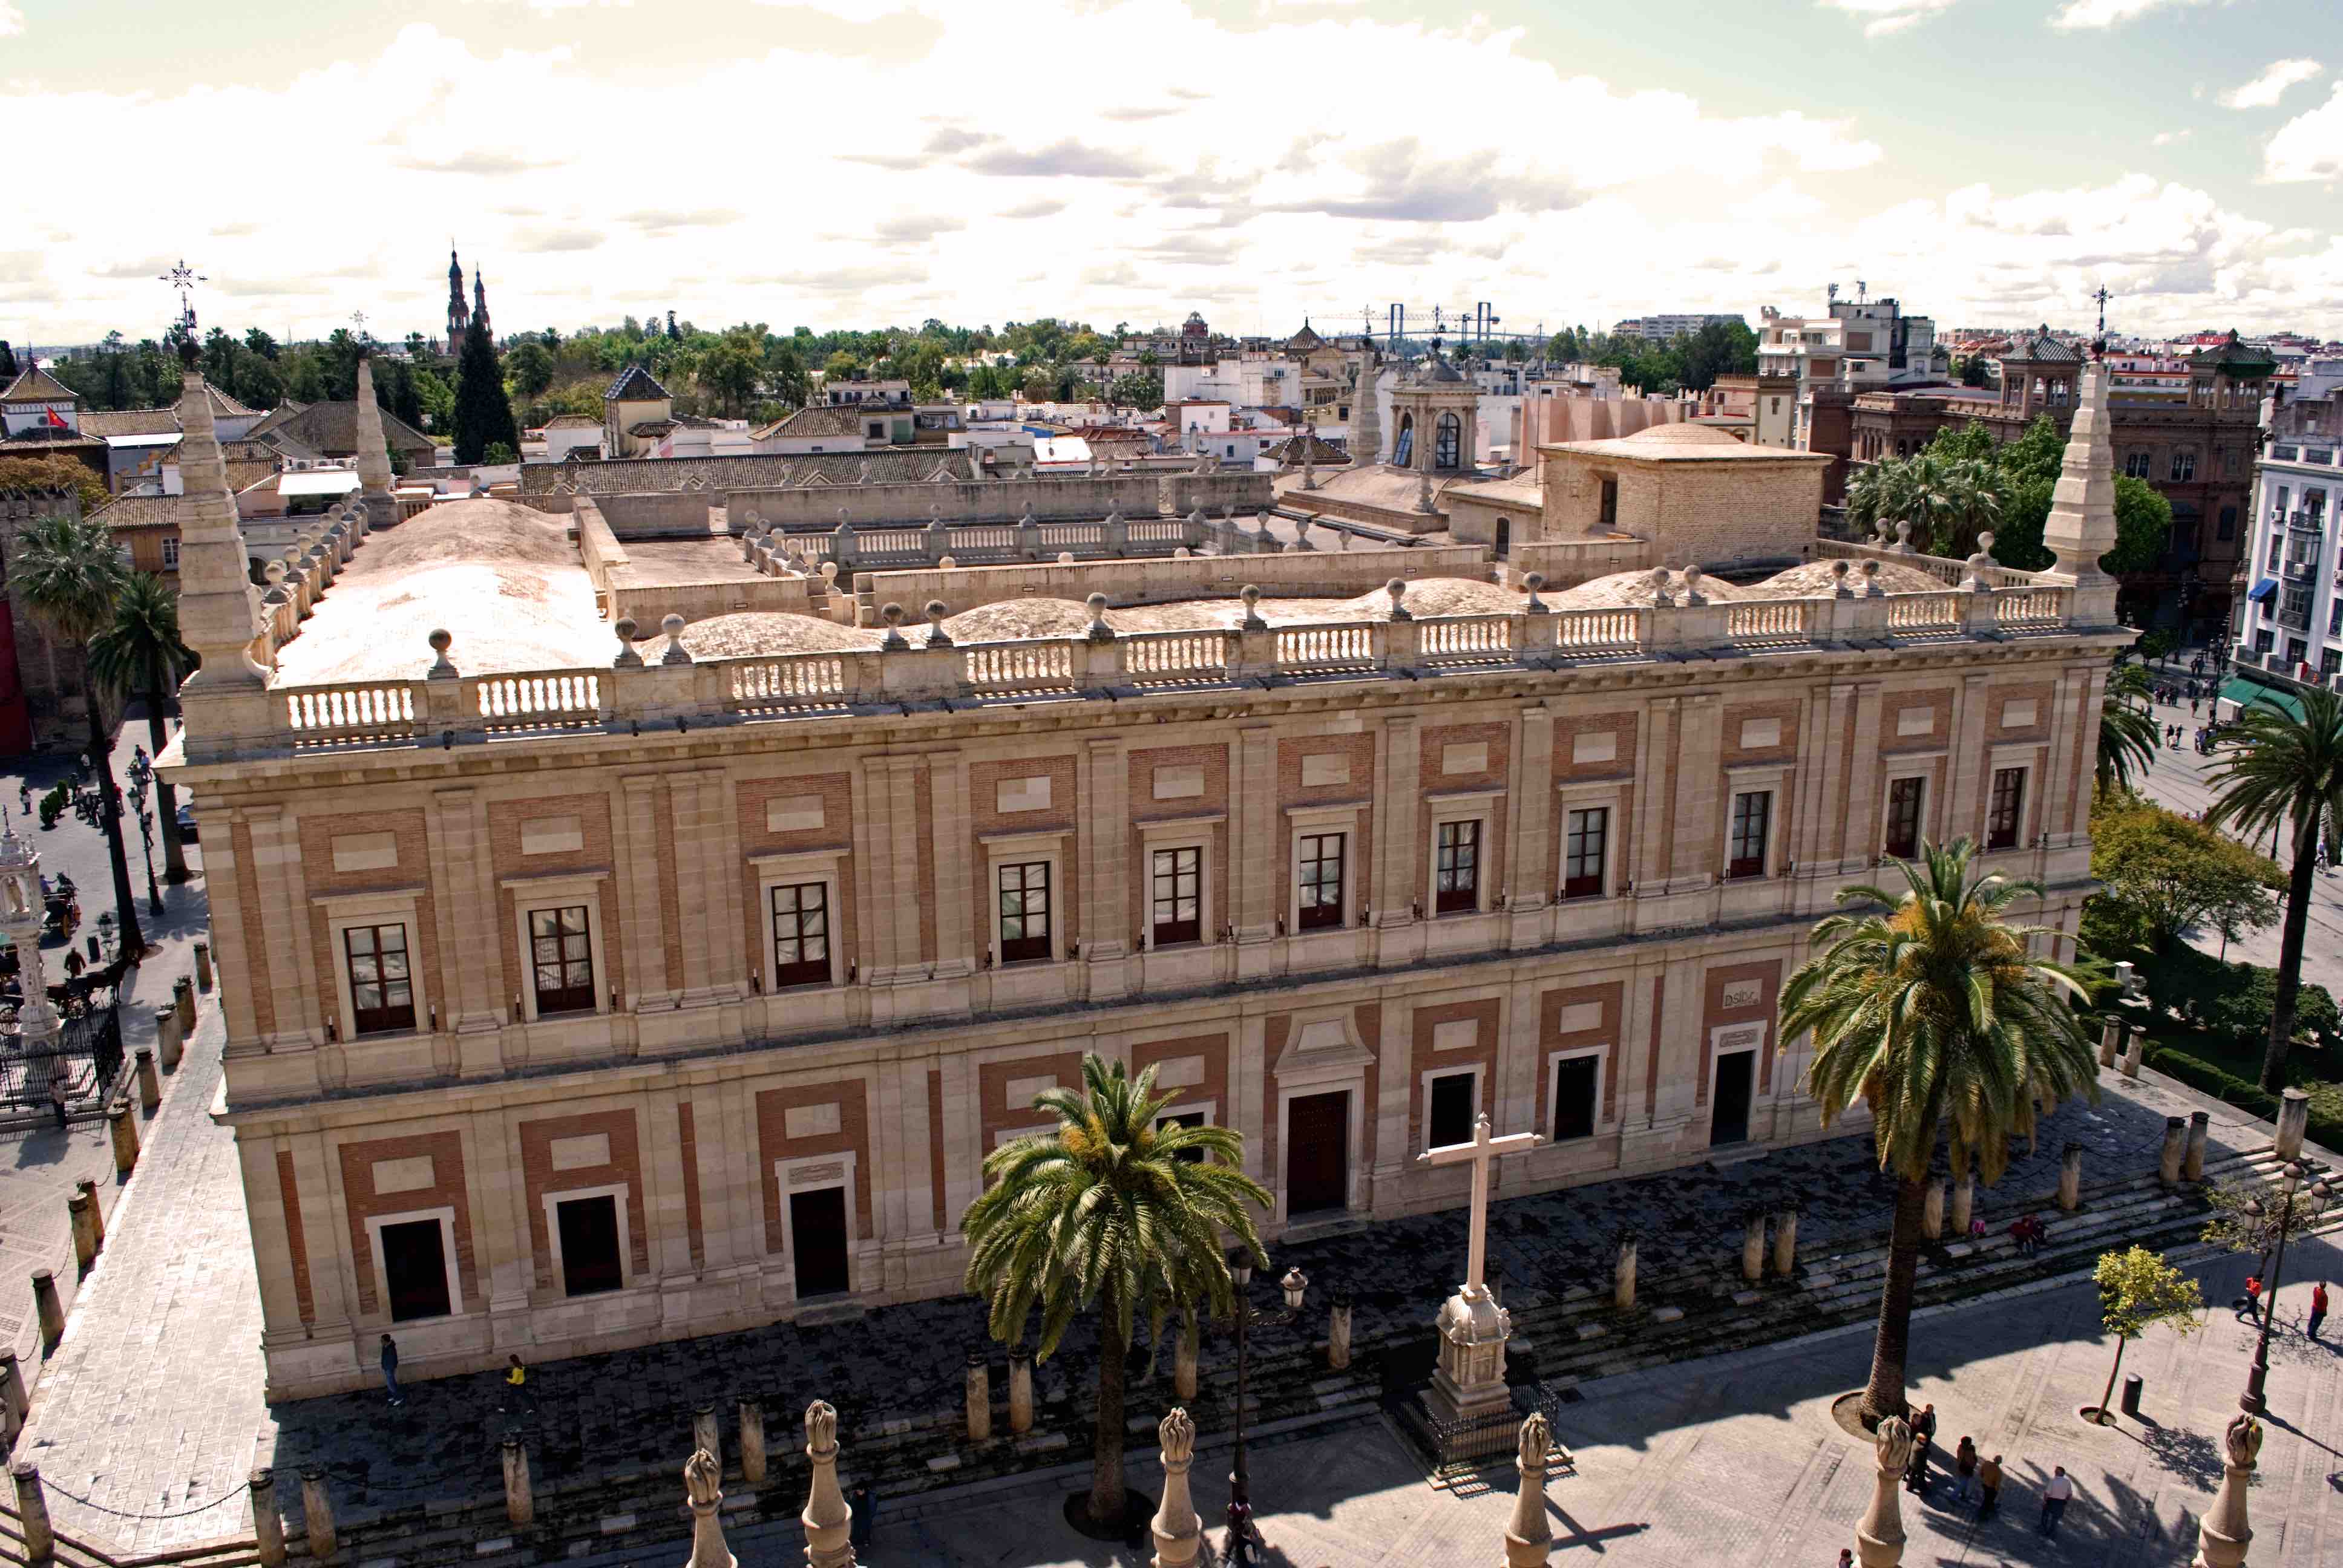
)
(921, 665)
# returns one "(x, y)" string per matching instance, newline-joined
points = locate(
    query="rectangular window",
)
(2229, 525)
(589, 1245)
(2184, 465)
(1450, 1108)
(1903, 817)
(2135, 465)
(802, 934)
(1456, 878)
(561, 958)
(382, 994)
(170, 554)
(1573, 1097)
(1025, 912)
(2277, 550)
(1321, 881)
(1177, 896)
(2264, 638)
(2008, 809)
(414, 1266)
(1582, 852)
(1752, 814)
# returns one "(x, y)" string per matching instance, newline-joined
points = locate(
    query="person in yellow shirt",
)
(517, 1394)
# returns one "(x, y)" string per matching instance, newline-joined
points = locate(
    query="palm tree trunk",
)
(166, 798)
(101, 755)
(2289, 952)
(1106, 1447)
(1884, 1396)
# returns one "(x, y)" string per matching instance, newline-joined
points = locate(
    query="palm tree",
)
(1106, 1211)
(2129, 735)
(1930, 1008)
(141, 653)
(2277, 766)
(71, 576)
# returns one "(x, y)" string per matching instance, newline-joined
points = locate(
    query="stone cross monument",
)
(2223, 1534)
(701, 1477)
(1472, 1328)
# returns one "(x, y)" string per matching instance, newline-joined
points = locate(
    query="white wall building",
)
(2292, 614)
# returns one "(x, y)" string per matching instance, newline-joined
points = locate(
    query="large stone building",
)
(575, 1003)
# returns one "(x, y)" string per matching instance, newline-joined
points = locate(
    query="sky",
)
(865, 163)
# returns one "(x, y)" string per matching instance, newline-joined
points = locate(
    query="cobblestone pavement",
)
(1736, 1460)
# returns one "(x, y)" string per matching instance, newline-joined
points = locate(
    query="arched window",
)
(1504, 536)
(1403, 450)
(1448, 438)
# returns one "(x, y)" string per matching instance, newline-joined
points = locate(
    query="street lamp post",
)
(1294, 1284)
(2251, 1400)
(141, 786)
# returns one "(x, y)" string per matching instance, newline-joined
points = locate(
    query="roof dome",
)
(1438, 371)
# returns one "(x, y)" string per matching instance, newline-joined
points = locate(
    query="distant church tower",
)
(480, 302)
(459, 315)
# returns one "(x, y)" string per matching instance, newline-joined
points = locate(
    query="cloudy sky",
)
(865, 161)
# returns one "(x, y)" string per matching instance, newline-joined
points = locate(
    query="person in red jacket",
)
(2318, 1307)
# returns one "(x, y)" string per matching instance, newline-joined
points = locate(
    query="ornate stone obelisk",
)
(702, 1478)
(374, 453)
(1366, 419)
(1530, 1532)
(1474, 1329)
(1879, 1539)
(21, 912)
(2081, 526)
(2223, 1534)
(1177, 1530)
(227, 700)
(827, 1519)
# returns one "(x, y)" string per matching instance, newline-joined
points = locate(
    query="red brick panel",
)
(1567, 728)
(1892, 704)
(1213, 1090)
(2043, 694)
(1784, 751)
(836, 792)
(447, 1191)
(687, 1141)
(412, 870)
(1714, 1013)
(1145, 808)
(1612, 998)
(996, 1115)
(1435, 740)
(593, 854)
(256, 932)
(984, 818)
(775, 1144)
(296, 1244)
(539, 1178)
(1483, 1053)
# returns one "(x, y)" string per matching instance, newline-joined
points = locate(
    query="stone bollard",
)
(1530, 1535)
(1931, 1209)
(1963, 1204)
(2223, 1533)
(150, 1084)
(2070, 1178)
(48, 1309)
(267, 1524)
(318, 1514)
(704, 1435)
(1185, 1349)
(169, 1043)
(1785, 1242)
(2175, 1149)
(1879, 1538)
(204, 968)
(33, 1513)
(703, 1491)
(752, 1443)
(2111, 1040)
(87, 1187)
(85, 1237)
(980, 1398)
(1020, 1389)
(2133, 1053)
(828, 1521)
(520, 1504)
(2200, 1127)
(2293, 1122)
(1753, 1249)
(125, 1128)
(1178, 1532)
(1337, 1333)
(182, 997)
(1623, 1276)
(14, 1404)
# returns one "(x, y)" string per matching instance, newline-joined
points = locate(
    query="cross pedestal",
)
(1470, 1379)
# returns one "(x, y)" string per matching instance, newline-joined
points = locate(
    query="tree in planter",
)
(1104, 1211)
(2170, 873)
(70, 576)
(2275, 767)
(141, 653)
(1930, 1008)
(2138, 1291)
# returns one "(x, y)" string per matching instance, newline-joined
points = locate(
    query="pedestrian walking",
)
(1847, 1557)
(390, 1371)
(866, 1513)
(2318, 1307)
(1989, 1483)
(2055, 1498)
(1965, 1465)
(1242, 1537)
(1924, 1435)
(58, 1098)
(2249, 1307)
(517, 1394)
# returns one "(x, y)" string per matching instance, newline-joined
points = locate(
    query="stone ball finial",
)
(892, 614)
(1904, 534)
(1099, 629)
(1534, 581)
(1871, 579)
(936, 609)
(1250, 594)
(1065, 558)
(1097, 603)
(442, 667)
(948, 564)
(1182, 554)
(829, 572)
(627, 658)
(275, 572)
(1985, 542)
(1398, 591)
(671, 625)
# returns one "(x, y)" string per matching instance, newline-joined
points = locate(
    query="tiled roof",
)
(32, 440)
(817, 419)
(2235, 358)
(35, 385)
(139, 512)
(573, 422)
(647, 429)
(331, 430)
(637, 476)
(634, 385)
(1289, 451)
(2039, 348)
(130, 422)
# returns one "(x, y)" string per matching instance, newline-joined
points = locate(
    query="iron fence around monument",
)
(1458, 1447)
(87, 1055)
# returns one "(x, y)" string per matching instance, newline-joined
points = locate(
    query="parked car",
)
(187, 825)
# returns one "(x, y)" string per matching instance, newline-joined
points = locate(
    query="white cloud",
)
(1887, 16)
(2310, 147)
(2265, 90)
(2166, 139)
(2077, 13)
(12, 21)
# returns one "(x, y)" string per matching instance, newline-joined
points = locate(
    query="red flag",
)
(56, 420)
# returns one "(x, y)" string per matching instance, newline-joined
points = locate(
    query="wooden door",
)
(817, 1242)
(1318, 1152)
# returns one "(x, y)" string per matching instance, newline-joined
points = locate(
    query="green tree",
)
(2275, 767)
(141, 653)
(2138, 1291)
(2168, 874)
(1138, 390)
(2128, 734)
(55, 472)
(484, 415)
(69, 574)
(528, 369)
(1931, 1008)
(1115, 1210)
(2143, 528)
(730, 369)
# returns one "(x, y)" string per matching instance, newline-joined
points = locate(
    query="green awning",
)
(2244, 693)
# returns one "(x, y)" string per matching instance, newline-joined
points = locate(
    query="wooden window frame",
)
(531, 894)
